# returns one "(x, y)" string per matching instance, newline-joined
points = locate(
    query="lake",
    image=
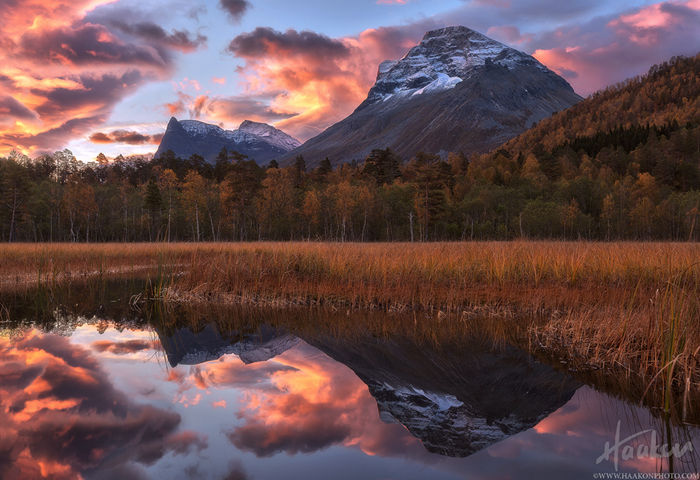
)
(94, 385)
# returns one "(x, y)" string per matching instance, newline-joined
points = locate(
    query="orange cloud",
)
(62, 74)
(312, 79)
(61, 416)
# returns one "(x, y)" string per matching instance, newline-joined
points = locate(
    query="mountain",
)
(259, 141)
(458, 90)
(456, 399)
(186, 347)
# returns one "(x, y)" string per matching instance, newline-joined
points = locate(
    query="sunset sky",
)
(106, 75)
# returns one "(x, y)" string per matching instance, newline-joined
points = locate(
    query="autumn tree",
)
(194, 200)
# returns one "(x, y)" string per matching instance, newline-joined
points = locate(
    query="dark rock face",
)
(457, 399)
(259, 141)
(186, 347)
(458, 90)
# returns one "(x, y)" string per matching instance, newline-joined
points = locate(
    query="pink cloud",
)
(604, 53)
(65, 72)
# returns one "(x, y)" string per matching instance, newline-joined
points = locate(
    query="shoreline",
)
(627, 309)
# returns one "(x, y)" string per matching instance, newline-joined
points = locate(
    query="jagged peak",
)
(268, 131)
(450, 31)
(257, 128)
(250, 123)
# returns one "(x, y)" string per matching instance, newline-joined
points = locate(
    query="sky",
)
(106, 75)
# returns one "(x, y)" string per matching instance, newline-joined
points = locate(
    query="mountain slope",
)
(187, 347)
(458, 90)
(258, 141)
(457, 399)
(668, 92)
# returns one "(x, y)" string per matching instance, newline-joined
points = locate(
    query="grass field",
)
(630, 308)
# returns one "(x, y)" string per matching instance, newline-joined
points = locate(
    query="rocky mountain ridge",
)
(258, 141)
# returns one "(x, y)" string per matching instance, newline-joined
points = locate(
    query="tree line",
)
(622, 164)
(648, 191)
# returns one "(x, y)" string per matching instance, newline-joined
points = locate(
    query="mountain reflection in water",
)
(455, 400)
(266, 402)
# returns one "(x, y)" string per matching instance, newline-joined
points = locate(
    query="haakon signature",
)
(624, 449)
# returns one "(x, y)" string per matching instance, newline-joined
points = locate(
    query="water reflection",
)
(256, 398)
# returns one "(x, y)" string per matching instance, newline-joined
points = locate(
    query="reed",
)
(625, 308)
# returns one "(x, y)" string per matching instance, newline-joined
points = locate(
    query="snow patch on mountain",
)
(442, 60)
(442, 422)
(269, 133)
(248, 132)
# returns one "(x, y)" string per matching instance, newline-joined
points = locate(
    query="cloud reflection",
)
(61, 416)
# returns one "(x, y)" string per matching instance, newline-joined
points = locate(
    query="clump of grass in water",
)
(158, 287)
(677, 325)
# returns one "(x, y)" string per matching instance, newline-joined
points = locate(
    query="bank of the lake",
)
(614, 309)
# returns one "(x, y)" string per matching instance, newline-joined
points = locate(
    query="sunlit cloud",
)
(65, 72)
(60, 415)
(604, 52)
(312, 79)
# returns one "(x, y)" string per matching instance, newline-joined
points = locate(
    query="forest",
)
(622, 164)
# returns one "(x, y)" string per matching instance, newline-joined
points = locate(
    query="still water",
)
(137, 395)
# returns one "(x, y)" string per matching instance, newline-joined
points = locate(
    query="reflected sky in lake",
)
(272, 405)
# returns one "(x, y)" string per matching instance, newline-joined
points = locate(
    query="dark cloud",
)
(100, 137)
(266, 42)
(96, 90)
(130, 138)
(88, 44)
(236, 471)
(128, 346)
(9, 107)
(235, 8)
(179, 39)
(16, 375)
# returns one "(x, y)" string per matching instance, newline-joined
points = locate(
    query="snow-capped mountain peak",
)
(195, 127)
(443, 59)
(270, 133)
(258, 141)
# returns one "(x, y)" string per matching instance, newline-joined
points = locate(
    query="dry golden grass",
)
(630, 308)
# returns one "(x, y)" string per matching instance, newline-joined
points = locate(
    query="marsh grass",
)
(624, 310)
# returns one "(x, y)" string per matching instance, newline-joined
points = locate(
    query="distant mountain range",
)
(259, 141)
(458, 90)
